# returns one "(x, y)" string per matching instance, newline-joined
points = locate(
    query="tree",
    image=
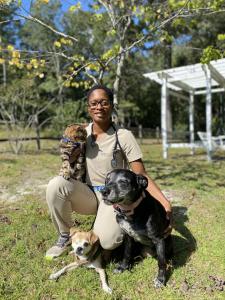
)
(76, 58)
(22, 108)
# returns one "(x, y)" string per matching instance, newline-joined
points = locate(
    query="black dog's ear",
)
(142, 181)
(107, 178)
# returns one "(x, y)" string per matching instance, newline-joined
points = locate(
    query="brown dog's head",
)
(82, 241)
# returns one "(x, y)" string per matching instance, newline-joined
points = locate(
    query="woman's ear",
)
(142, 181)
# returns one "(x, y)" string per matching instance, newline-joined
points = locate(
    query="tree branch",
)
(145, 37)
(36, 20)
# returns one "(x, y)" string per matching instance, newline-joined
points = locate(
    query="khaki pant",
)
(64, 196)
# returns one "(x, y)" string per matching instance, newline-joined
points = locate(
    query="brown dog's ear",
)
(142, 181)
(93, 238)
(73, 230)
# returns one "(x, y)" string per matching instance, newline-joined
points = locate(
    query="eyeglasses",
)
(103, 103)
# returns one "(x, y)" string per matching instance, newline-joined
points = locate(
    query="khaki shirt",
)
(99, 154)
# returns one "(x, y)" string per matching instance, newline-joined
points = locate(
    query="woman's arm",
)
(138, 168)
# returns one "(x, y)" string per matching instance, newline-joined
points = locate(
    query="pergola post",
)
(191, 121)
(164, 94)
(208, 111)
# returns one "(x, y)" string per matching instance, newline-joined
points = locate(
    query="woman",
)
(108, 146)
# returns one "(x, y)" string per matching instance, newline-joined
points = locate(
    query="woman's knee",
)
(55, 189)
(110, 241)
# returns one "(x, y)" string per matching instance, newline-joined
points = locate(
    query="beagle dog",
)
(87, 252)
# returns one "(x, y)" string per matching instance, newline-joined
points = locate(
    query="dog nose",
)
(79, 250)
(104, 191)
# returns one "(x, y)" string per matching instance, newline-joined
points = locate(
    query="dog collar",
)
(128, 210)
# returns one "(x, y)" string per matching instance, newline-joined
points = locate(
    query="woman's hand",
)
(169, 229)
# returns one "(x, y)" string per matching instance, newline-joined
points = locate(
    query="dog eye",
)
(86, 244)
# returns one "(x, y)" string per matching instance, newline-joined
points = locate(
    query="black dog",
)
(141, 216)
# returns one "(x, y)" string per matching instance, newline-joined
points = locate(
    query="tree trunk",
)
(37, 129)
(4, 74)
(116, 85)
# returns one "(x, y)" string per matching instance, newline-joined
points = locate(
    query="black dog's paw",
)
(158, 284)
(120, 268)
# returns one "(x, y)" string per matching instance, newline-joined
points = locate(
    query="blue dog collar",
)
(97, 188)
(67, 140)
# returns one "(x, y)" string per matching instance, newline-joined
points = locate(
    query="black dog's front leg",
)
(160, 280)
(127, 254)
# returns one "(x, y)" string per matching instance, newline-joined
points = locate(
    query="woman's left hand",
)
(169, 229)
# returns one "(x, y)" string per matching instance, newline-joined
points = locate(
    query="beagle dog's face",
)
(82, 242)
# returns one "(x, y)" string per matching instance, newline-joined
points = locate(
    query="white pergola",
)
(193, 80)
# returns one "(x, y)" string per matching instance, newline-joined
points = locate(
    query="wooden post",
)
(208, 111)
(164, 93)
(191, 121)
(157, 133)
(36, 124)
(140, 133)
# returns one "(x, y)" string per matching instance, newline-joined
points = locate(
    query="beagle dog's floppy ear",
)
(73, 231)
(142, 181)
(93, 238)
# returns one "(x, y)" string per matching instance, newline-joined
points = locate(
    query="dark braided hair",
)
(108, 91)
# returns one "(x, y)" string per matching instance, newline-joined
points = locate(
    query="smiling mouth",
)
(99, 114)
(111, 201)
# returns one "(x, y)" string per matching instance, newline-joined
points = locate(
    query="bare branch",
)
(8, 21)
(145, 37)
(41, 110)
(96, 81)
(157, 27)
(36, 20)
(110, 12)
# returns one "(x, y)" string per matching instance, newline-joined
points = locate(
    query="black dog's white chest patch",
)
(138, 235)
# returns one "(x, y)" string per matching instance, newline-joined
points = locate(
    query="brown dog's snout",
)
(79, 250)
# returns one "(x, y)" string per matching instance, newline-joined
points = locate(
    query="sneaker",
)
(59, 248)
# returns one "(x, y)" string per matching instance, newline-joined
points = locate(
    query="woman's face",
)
(99, 106)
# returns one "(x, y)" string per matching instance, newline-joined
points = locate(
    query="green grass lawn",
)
(196, 189)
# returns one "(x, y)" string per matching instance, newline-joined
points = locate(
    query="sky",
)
(65, 4)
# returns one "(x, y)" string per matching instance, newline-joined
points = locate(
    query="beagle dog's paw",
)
(107, 289)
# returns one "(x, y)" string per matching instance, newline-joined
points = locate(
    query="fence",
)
(144, 136)
(153, 135)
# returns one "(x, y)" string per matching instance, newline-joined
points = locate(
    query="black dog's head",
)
(123, 186)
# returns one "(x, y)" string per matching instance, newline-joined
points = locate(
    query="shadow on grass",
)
(185, 244)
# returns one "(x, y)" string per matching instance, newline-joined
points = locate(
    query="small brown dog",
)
(72, 148)
(87, 252)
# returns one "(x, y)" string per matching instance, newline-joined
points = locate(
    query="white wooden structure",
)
(184, 83)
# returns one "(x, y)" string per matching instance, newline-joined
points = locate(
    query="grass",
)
(197, 190)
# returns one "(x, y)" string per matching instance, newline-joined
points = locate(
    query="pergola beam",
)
(191, 120)
(208, 111)
(203, 92)
(164, 95)
(179, 84)
(216, 75)
(178, 95)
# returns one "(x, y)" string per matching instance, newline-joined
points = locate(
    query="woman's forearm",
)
(154, 190)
